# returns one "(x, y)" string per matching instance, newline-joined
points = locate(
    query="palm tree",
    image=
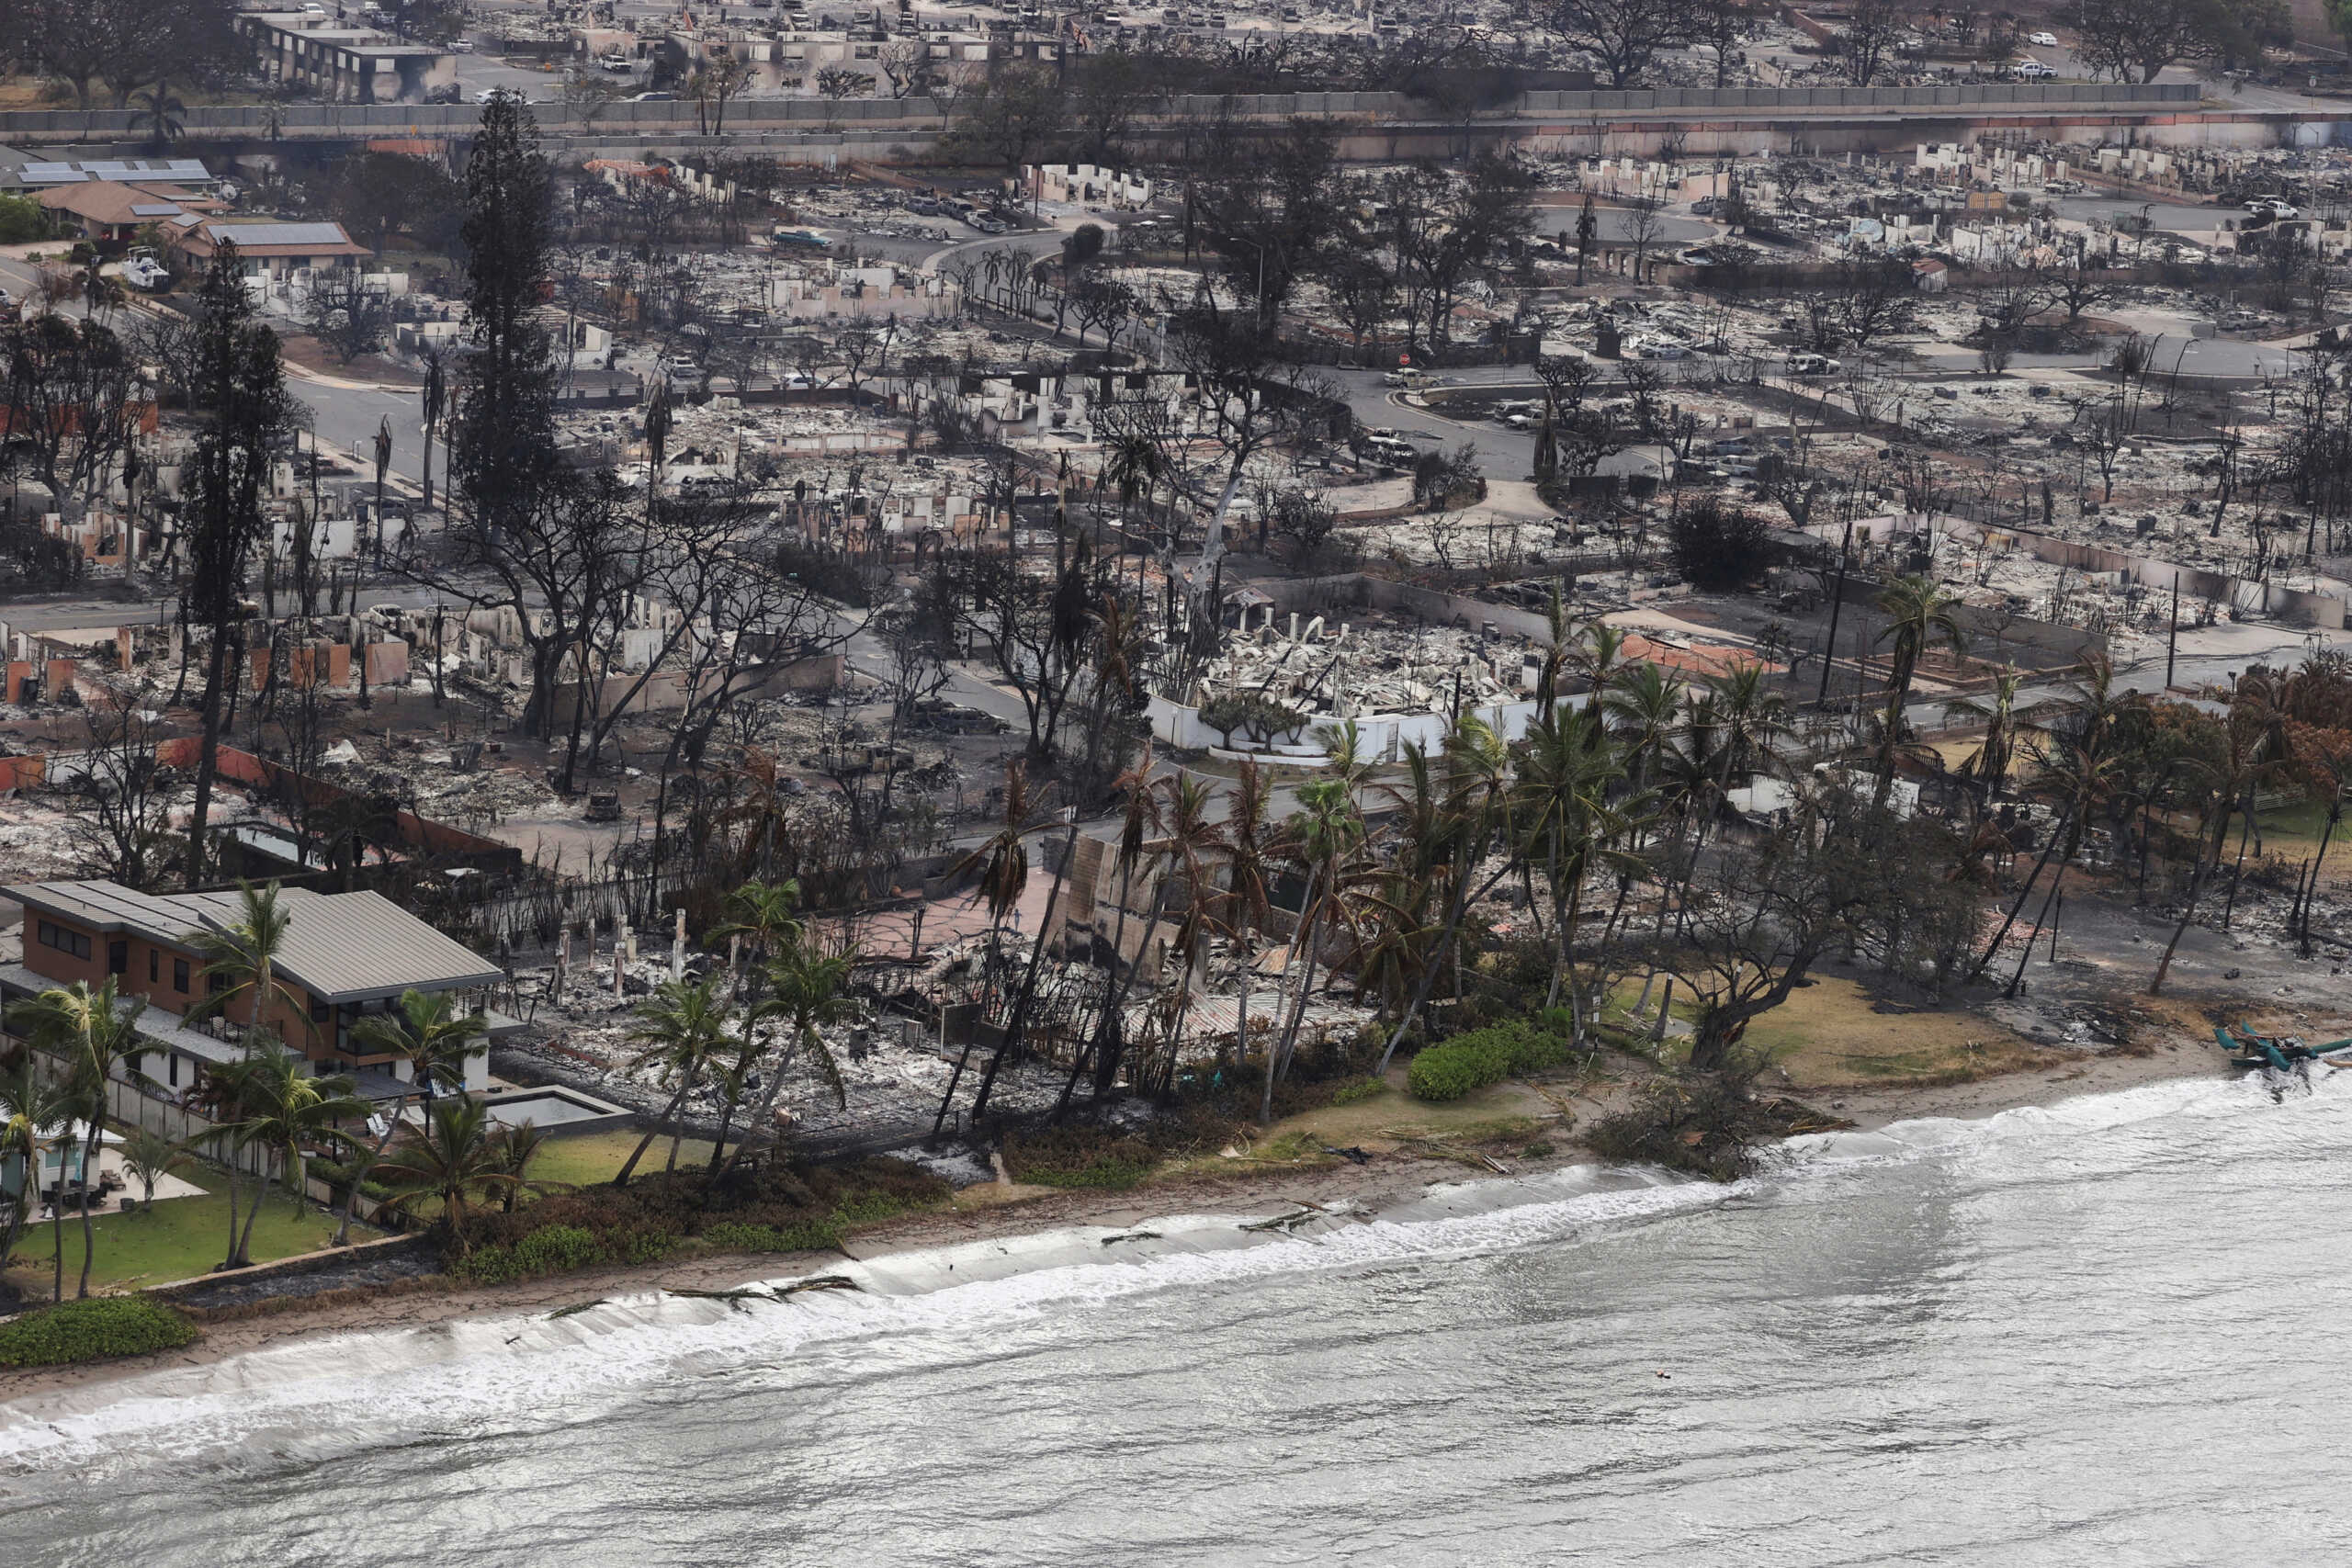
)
(162, 114)
(436, 1041)
(516, 1148)
(1245, 905)
(447, 1160)
(760, 916)
(1568, 771)
(682, 1024)
(149, 1156)
(1920, 616)
(2256, 752)
(1141, 821)
(1002, 860)
(36, 1114)
(1598, 656)
(2076, 759)
(95, 1038)
(806, 990)
(286, 1112)
(1643, 710)
(241, 961)
(1322, 835)
(1192, 839)
(1996, 711)
(1477, 806)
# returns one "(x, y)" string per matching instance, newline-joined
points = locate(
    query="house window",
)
(64, 938)
(117, 958)
(175, 1069)
(179, 975)
(318, 1010)
(154, 965)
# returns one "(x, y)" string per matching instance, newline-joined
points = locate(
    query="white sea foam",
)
(321, 1395)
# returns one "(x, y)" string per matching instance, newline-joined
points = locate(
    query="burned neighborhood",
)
(643, 644)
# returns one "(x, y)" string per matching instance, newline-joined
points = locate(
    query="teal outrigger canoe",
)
(2280, 1052)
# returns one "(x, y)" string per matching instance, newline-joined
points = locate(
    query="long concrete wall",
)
(859, 118)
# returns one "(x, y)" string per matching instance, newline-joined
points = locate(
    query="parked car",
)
(654, 97)
(2043, 40)
(1813, 365)
(2276, 208)
(2030, 70)
(619, 65)
(1657, 348)
(1404, 375)
(987, 225)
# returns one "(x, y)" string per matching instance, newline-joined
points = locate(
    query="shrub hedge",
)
(798, 1209)
(92, 1330)
(1452, 1069)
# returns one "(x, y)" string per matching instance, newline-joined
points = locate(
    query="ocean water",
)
(2106, 1333)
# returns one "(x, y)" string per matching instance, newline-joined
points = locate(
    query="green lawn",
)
(598, 1156)
(179, 1238)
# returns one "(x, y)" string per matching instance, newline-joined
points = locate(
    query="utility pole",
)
(1837, 606)
(2172, 635)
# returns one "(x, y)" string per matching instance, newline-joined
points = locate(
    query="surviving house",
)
(346, 955)
(113, 211)
(270, 249)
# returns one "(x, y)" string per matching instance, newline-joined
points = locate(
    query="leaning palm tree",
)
(681, 1024)
(1919, 615)
(96, 1039)
(436, 1041)
(448, 1160)
(807, 992)
(36, 1115)
(1003, 861)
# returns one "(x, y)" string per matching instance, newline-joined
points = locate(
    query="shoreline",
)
(999, 1210)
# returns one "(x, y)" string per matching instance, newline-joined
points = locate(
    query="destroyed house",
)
(346, 955)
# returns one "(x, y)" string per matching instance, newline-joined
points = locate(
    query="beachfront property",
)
(346, 955)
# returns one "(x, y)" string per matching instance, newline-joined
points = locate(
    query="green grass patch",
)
(1361, 1089)
(177, 1239)
(97, 1329)
(591, 1157)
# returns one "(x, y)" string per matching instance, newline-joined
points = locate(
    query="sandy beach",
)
(1006, 1209)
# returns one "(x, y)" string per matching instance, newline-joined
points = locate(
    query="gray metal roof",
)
(339, 947)
(348, 947)
(246, 234)
(156, 210)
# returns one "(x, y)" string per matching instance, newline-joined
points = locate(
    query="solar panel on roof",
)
(154, 210)
(276, 233)
(187, 168)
